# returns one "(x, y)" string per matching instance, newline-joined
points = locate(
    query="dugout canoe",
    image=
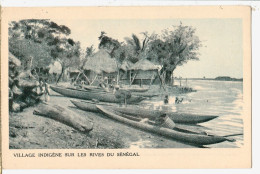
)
(90, 95)
(145, 94)
(134, 110)
(133, 89)
(86, 105)
(183, 118)
(196, 139)
(138, 92)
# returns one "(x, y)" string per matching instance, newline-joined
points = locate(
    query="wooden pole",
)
(86, 77)
(130, 78)
(93, 80)
(118, 75)
(151, 80)
(133, 79)
(172, 80)
(76, 78)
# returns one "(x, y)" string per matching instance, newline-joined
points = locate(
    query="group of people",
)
(109, 87)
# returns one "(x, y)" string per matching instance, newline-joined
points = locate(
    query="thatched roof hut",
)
(144, 65)
(101, 62)
(143, 72)
(126, 65)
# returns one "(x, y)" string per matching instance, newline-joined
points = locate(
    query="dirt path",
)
(28, 131)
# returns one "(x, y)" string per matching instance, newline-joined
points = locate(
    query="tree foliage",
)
(90, 51)
(174, 48)
(108, 43)
(136, 48)
(43, 41)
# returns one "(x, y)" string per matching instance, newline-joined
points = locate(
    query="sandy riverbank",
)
(28, 131)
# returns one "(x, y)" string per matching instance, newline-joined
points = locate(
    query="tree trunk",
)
(168, 78)
(168, 74)
(64, 116)
(62, 71)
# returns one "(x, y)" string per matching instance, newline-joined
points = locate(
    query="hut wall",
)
(145, 82)
(73, 74)
(145, 77)
(110, 76)
(91, 75)
(124, 74)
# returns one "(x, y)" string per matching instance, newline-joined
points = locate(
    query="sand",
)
(28, 131)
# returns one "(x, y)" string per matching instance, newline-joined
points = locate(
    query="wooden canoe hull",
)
(86, 105)
(90, 95)
(184, 118)
(137, 92)
(144, 113)
(137, 89)
(197, 139)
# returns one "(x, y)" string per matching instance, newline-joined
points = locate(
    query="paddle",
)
(232, 135)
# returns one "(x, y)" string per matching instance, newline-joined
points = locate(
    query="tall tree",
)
(90, 51)
(67, 53)
(108, 43)
(137, 48)
(174, 48)
(42, 41)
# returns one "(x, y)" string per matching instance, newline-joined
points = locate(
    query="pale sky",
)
(221, 55)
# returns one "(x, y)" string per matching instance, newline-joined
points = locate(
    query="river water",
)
(221, 98)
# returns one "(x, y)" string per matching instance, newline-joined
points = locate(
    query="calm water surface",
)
(221, 98)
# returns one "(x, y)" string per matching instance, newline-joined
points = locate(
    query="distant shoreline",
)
(221, 78)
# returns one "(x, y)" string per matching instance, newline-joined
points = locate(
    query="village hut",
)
(143, 72)
(124, 70)
(73, 72)
(100, 66)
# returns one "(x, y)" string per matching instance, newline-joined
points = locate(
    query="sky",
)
(221, 54)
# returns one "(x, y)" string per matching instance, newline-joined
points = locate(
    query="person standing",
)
(46, 91)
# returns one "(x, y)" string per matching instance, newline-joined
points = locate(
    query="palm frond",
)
(137, 42)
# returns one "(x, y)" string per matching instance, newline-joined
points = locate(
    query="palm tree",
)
(136, 45)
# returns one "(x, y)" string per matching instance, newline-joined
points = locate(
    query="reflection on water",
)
(222, 98)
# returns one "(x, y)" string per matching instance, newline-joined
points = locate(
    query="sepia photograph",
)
(126, 83)
(116, 86)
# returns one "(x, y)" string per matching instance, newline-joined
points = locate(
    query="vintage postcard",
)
(126, 87)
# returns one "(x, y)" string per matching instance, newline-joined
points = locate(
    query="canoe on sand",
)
(90, 95)
(136, 92)
(196, 139)
(134, 89)
(184, 118)
(134, 110)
